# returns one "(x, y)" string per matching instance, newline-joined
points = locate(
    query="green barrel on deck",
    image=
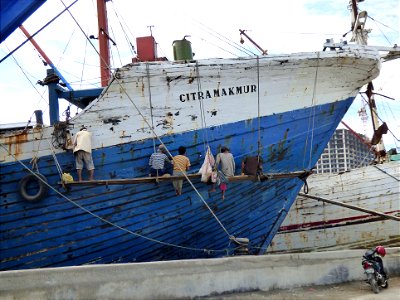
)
(182, 50)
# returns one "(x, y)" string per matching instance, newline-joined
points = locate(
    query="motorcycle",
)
(374, 277)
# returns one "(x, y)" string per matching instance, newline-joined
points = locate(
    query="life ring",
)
(33, 179)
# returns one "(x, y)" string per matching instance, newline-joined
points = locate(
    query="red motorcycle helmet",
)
(380, 250)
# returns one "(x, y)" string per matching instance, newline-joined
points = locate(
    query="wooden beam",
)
(164, 178)
(132, 180)
(369, 211)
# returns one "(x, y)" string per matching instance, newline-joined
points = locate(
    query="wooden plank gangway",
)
(263, 177)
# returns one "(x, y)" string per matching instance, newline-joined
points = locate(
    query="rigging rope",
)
(258, 111)
(152, 127)
(40, 95)
(151, 107)
(55, 159)
(87, 38)
(396, 30)
(34, 162)
(312, 112)
(202, 110)
(119, 55)
(367, 155)
(376, 23)
(33, 35)
(149, 90)
(223, 39)
(66, 46)
(35, 158)
(365, 100)
(26, 76)
(123, 90)
(131, 47)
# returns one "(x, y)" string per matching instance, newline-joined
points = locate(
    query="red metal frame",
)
(104, 44)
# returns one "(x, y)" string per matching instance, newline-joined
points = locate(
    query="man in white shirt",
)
(83, 152)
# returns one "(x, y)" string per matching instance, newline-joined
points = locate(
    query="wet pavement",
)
(356, 290)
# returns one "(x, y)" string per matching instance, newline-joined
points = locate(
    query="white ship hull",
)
(313, 225)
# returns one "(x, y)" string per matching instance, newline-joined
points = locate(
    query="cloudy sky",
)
(213, 26)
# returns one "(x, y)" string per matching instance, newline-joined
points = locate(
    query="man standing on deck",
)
(227, 162)
(83, 152)
(181, 165)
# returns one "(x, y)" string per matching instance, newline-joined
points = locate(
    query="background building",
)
(344, 152)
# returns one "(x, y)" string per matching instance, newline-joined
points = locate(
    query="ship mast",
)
(358, 20)
(360, 36)
(104, 44)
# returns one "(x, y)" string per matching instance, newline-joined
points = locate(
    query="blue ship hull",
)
(148, 222)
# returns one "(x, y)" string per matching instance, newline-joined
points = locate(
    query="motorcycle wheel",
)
(385, 285)
(374, 285)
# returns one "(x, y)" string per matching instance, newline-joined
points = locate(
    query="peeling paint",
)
(332, 109)
(281, 146)
(16, 140)
(113, 121)
(103, 158)
(124, 135)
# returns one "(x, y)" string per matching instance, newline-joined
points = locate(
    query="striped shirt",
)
(181, 163)
(157, 160)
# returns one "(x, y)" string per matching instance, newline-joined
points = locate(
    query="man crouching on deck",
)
(83, 152)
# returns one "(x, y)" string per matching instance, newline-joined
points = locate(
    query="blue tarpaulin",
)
(14, 12)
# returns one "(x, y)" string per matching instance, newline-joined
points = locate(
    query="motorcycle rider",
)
(376, 255)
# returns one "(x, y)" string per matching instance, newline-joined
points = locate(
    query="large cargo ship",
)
(281, 108)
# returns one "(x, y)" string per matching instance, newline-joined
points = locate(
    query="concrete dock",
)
(187, 279)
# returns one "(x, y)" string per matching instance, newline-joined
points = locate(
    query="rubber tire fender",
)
(43, 188)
